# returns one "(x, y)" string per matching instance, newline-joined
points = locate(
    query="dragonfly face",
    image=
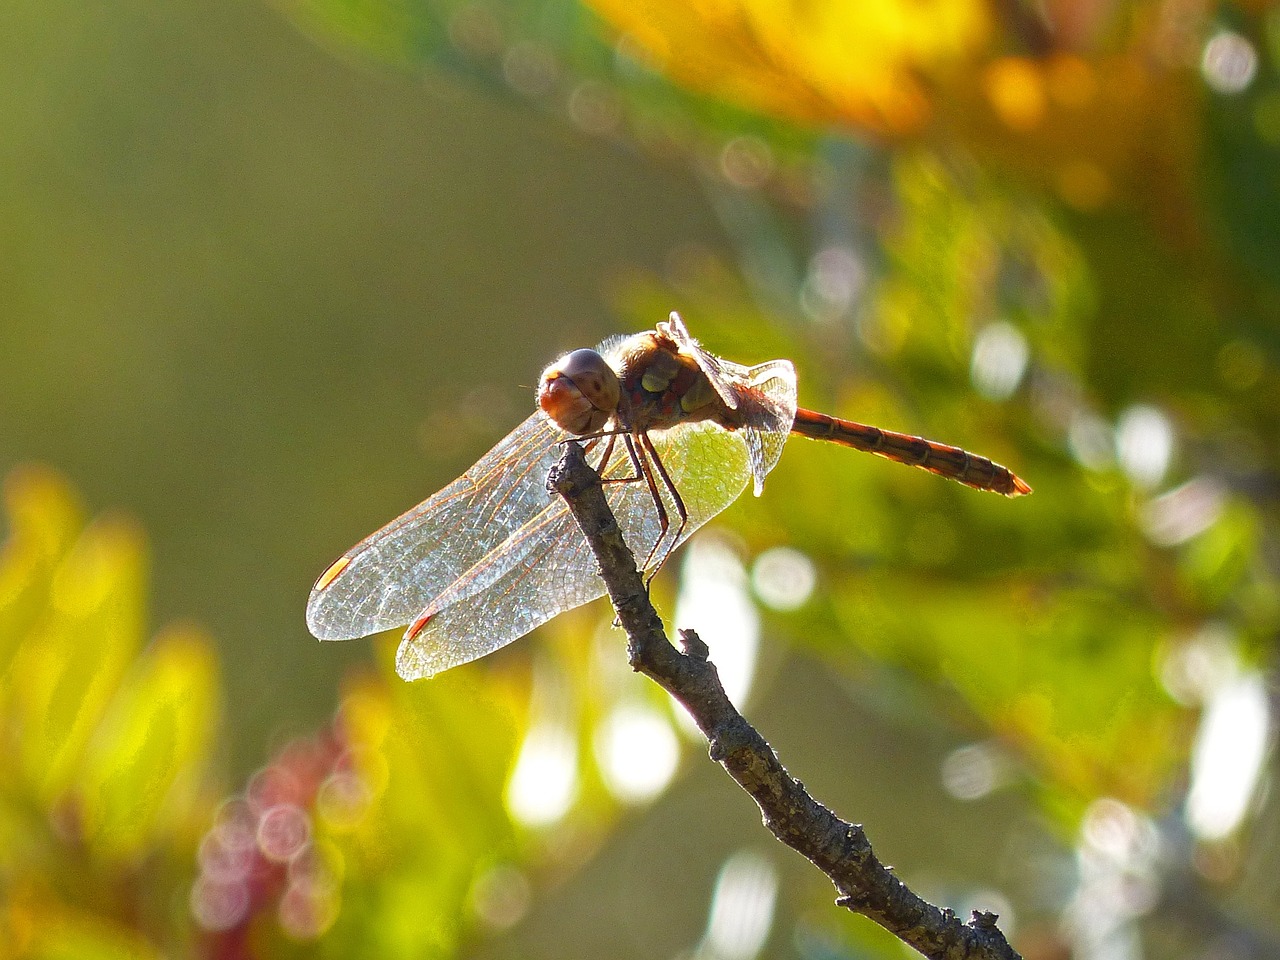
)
(580, 392)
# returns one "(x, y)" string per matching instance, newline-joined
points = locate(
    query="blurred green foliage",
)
(106, 741)
(1095, 187)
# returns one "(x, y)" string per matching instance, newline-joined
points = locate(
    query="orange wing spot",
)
(332, 573)
(418, 625)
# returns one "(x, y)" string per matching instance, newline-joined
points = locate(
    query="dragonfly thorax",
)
(663, 385)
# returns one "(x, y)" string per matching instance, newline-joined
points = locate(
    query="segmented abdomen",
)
(946, 461)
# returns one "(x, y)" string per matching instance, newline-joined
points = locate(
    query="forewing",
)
(763, 397)
(394, 574)
(546, 567)
(717, 371)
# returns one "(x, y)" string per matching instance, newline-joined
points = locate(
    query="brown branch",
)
(839, 849)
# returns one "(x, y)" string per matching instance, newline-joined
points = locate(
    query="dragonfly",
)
(675, 432)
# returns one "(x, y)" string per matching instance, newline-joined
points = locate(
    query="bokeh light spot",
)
(1229, 62)
(1227, 760)
(1144, 444)
(218, 905)
(343, 799)
(837, 276)
(1192, 669)
(500, 897)
(224, 860)
(595, 108)
(1089, 438)
(1117, 860)
(529, 69)
(1000, 355)
(713, 600)
(973, 771)
(283, 831)
(1015, 89)
(273, 785)
(1113, 830)
(747, 162)
(783, 578)
(545, 780)
(742, 907)
(320, 867)
(475, 31)
(306, 913)
(637, 751)
(1182, 513)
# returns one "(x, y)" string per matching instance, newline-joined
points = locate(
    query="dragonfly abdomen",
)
(953, 463)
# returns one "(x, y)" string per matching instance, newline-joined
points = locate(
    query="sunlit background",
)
(272, 273)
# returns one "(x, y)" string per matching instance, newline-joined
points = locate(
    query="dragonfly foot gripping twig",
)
(838, 848)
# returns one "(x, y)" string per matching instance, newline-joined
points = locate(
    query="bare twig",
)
(837, 848)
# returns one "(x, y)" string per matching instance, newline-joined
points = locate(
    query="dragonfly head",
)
(580, 392)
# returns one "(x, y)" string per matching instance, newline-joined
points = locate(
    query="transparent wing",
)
(393, 574)
(763, 396)
(717, 371)
(546, 567)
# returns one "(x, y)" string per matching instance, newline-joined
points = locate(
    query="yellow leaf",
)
(44, 517)
(150, 750)
(852, 64)
(68, 669)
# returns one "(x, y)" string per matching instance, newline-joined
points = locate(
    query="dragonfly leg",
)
(641, 460)
(603, 463)
(676, 501)
(593, 440)
(635, 465)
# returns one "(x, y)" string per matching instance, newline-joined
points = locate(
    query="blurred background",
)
(270, 274)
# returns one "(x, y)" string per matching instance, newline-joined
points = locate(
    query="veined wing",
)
(391, 576)
(763, 397)
(546, 567)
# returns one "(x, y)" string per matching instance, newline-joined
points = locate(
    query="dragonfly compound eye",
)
(579, 392)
